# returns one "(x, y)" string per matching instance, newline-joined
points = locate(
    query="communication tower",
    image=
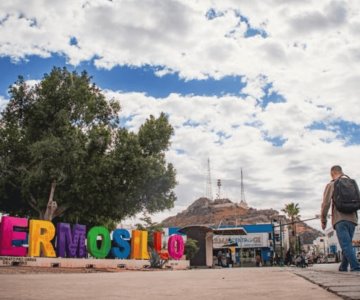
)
(243, 203)
(208, 187)
(219, 189)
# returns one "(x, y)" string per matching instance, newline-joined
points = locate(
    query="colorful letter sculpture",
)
(71, 243)
(8, 235)
(176, 246)
(157, 237)
(92, 240)
(121, 247)
(139, 240)
(41, 233)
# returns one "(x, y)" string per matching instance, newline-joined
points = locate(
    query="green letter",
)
(92, 246)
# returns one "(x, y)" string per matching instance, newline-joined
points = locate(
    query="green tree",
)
(292, 211)
(149, 226)
(64, 153)
(191, 248)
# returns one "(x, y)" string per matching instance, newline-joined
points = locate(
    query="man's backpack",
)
(346, 196)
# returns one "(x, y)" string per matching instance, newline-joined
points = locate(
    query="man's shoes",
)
(356, 270)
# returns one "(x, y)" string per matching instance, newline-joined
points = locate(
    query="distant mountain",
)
(204, 211)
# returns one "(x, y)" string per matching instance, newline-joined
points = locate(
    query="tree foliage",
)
(64, 153)
(149, 226)
(292, 210)
(191, 248)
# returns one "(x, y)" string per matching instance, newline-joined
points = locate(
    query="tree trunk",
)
(32, 202)
(52, 209)
(52, 205)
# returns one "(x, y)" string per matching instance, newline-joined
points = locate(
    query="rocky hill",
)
(204, 211)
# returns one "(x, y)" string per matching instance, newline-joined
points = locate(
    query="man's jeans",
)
(345, 233)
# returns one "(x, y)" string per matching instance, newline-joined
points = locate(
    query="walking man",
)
(343, 223)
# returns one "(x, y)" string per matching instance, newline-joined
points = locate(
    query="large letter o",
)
(176, 246)
(92, 235)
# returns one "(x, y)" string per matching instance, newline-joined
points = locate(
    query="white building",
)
(332, 243)
(321, 245)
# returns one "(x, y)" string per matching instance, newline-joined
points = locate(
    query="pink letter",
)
(176, 246)
(7, 235)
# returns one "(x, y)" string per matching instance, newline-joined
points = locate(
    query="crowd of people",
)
(224, 258)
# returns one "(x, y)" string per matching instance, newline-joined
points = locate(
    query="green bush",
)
(191, 248)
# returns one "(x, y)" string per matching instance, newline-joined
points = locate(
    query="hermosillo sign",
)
(74, 242)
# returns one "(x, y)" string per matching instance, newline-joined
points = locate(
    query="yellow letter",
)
(139, 240)
(40, 235)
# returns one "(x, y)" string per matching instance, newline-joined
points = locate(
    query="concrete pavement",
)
(235, 283)
(344, 284)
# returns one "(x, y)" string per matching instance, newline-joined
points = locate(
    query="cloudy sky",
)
(271, 87)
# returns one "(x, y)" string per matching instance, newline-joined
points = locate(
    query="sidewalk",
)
(236, 283)
(343, 284)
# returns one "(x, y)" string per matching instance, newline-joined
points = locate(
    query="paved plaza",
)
(236, 283)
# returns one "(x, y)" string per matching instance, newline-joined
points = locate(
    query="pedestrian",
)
(303, 263)
(288, 258)
(258, 260)
(343, 223)
(219, 257)
(277, 259)
(228, 258)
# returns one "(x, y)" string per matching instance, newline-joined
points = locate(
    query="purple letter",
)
(71, 244)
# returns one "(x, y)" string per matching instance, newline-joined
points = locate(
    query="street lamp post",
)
(281, 245)
(273, 240)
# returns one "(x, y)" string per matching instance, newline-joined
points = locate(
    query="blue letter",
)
(122, 247)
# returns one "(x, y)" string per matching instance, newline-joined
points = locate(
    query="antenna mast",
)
(242, 188)
(219, 189)
(208, 187)
(243, 200)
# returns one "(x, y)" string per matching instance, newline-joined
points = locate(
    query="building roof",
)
(254, 228)
(230, 231)
(195, 227)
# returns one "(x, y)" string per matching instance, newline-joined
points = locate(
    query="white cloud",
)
(334, 15)
(297, 171)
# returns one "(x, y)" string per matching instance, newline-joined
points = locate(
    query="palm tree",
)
(292, 210)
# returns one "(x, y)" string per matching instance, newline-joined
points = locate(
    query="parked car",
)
(330, 258)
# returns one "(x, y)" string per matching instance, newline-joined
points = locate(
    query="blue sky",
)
(122, 78)
(267, 87)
